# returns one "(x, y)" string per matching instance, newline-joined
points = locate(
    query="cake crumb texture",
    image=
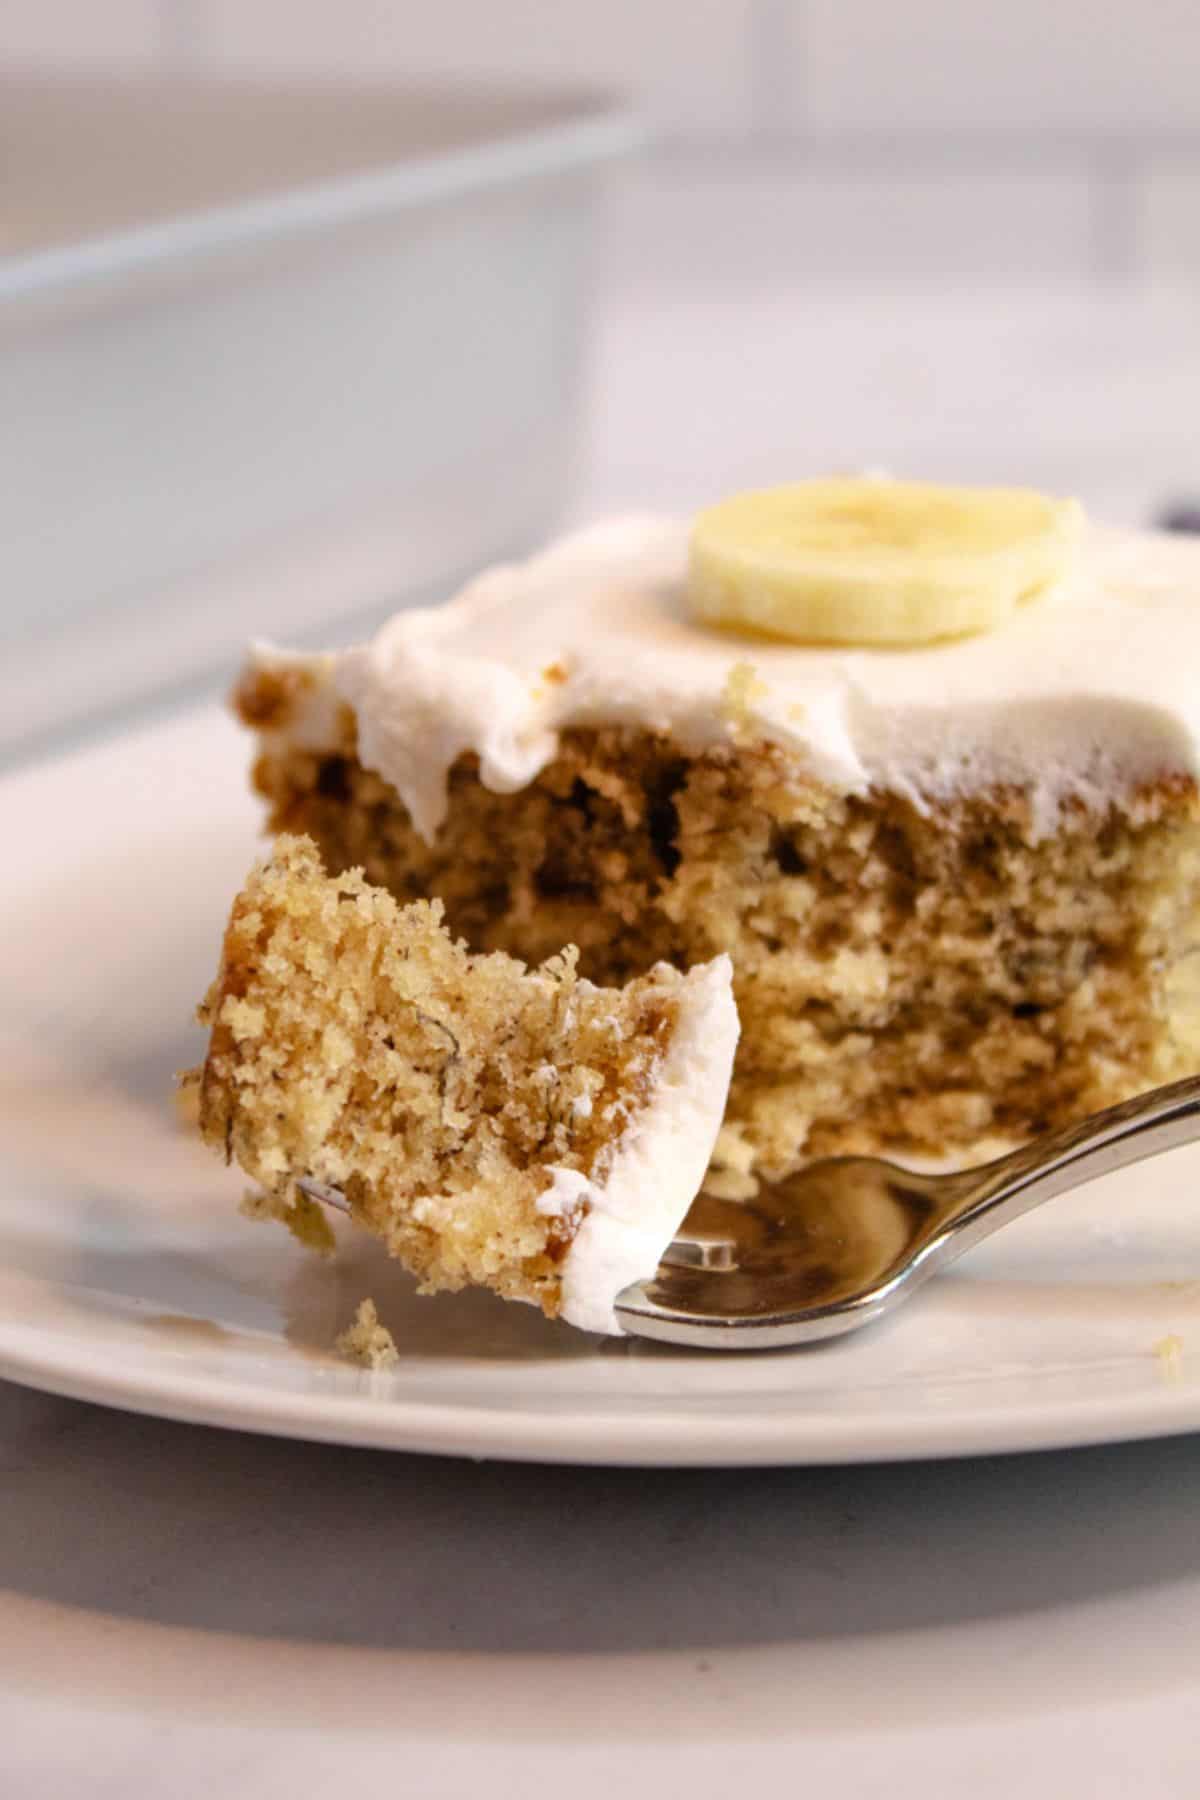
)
(921, 980)
(294, 1209)
(368, 1340)
(355, 1042)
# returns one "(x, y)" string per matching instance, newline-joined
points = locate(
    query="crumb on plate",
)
(1169, 1351)
(368, 1341)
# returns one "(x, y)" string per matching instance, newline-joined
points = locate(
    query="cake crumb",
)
(1169, 1351)
(368, 1341)
(187, 1100)
(731, 1172)
(552, 676)
(743, 686)
(302, 1216)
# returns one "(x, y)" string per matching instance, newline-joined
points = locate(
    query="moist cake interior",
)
(354, 1041)
(924, 981)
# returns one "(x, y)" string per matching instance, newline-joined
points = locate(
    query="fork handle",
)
(1162, 1119)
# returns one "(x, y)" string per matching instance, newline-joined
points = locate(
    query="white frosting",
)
(313, 721)
(659, 1164)
(568, 1191)
(1086, 692)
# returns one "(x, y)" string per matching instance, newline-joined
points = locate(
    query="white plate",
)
(129, 1277)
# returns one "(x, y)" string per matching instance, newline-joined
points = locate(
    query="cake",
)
(515, 1128)
(957, 876)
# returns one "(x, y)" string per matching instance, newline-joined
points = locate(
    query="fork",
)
(849, 1238)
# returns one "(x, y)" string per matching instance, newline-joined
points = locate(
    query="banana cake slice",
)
(518, 1128)
(923, 761)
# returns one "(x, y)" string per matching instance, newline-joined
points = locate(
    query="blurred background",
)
(948, 239)
(824, 138)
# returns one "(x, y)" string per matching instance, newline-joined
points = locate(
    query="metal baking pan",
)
(271, 361)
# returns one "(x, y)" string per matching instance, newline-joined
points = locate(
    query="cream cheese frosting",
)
(636, 1207)
(1090, 692)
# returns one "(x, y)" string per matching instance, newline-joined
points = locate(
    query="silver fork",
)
(849, 1238)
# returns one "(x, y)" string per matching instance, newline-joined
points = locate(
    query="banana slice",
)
(874, 561)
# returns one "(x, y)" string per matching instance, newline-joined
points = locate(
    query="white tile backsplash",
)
(122, 32)
(710, 223)
(814, 138)
(689, 63)
(1105, 66)
(1168, 244)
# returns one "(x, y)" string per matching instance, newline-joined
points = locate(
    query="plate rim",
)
(604, 1436)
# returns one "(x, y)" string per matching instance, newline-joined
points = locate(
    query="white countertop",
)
(190, 1612)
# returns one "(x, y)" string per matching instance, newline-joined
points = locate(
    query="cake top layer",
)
(1090, 693)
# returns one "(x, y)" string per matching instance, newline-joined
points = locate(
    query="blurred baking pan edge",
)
(265, 400)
